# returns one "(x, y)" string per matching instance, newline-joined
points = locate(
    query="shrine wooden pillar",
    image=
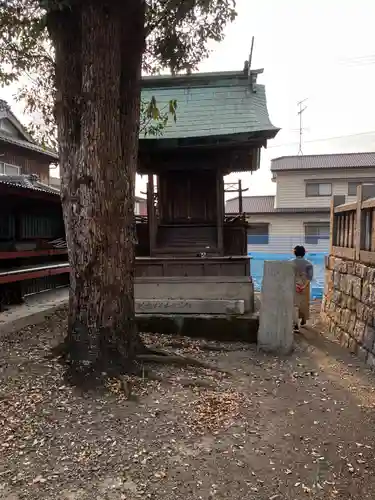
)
(220, 209)
(151, 213)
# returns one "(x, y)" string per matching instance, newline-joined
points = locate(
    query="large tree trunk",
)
(99, 48)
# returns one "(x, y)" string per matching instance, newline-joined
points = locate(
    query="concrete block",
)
(359, 331)
(357, 287)
(352, 303)
(336, 279)
(370, 360)
(189, 306)
(352, 345)
(366, 290)
(371, 299)
(344, 300)
(351, 323)
(360, 270)
(368, 337)
(333, 329)
(345, 318)
(368, 315)
(344, 284)
(344, 339)
(371, 274)
(360, 310)
(337, 264)
(344, 266)
(277, 306)
(337, 295)
(350, 266)
(362, 354)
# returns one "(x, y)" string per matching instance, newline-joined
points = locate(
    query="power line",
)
(323, 139)
(368, 58)
(300, 111)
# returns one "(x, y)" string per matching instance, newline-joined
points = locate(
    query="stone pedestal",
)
(276, 309)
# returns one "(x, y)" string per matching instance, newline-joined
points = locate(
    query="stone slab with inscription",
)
(189, 306)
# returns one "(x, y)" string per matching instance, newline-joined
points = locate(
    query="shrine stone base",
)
(215, 327)
(203, 306)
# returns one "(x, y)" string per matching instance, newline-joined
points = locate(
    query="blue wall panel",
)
(317, 259)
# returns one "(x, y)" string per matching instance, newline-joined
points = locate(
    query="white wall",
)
(291, 186)
(286, 231)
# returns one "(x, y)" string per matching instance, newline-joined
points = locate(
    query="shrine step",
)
(214, 327)
(189, 306)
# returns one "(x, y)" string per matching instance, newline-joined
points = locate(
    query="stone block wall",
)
(348, 307)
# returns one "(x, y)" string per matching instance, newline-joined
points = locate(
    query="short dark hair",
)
(299, 251)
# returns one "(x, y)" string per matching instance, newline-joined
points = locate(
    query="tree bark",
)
(99, 49)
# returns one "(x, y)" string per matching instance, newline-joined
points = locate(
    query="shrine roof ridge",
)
(168, 80)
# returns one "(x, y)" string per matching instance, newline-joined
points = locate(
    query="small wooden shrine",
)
(33, 252)
(222, 124)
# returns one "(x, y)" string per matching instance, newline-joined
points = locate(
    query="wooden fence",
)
(353, 226)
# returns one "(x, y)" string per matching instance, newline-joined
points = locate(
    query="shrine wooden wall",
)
(188, 197)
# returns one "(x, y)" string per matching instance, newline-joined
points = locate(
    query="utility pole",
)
(238, 189)
(300, 111)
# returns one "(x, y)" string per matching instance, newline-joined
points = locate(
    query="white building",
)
(299, 212)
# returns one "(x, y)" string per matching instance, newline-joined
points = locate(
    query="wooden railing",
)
(353, 226)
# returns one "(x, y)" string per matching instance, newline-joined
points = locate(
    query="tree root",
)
(91, 375)
(203, 347)
(164, 357)
(185, 382)
(217, 348)
(205, 384)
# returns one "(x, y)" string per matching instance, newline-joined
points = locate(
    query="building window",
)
(258, 234)
(318, 189)
(352, 188)
(315, 232)
(6, 169)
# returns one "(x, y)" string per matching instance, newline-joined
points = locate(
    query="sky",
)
(322, 51)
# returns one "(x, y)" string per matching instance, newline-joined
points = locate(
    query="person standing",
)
(304, 273)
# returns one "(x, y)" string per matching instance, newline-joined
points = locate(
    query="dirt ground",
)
(297, 428)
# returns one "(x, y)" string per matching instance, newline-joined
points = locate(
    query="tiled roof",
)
(344, 160)
(4, 106)
(27, 182)
(29, 145)
(26, 141)
(211, 104)
(251, 204)
(266, 205)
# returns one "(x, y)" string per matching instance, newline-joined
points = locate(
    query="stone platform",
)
(215, 307)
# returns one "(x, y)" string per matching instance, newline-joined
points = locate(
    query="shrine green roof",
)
(211, 104)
